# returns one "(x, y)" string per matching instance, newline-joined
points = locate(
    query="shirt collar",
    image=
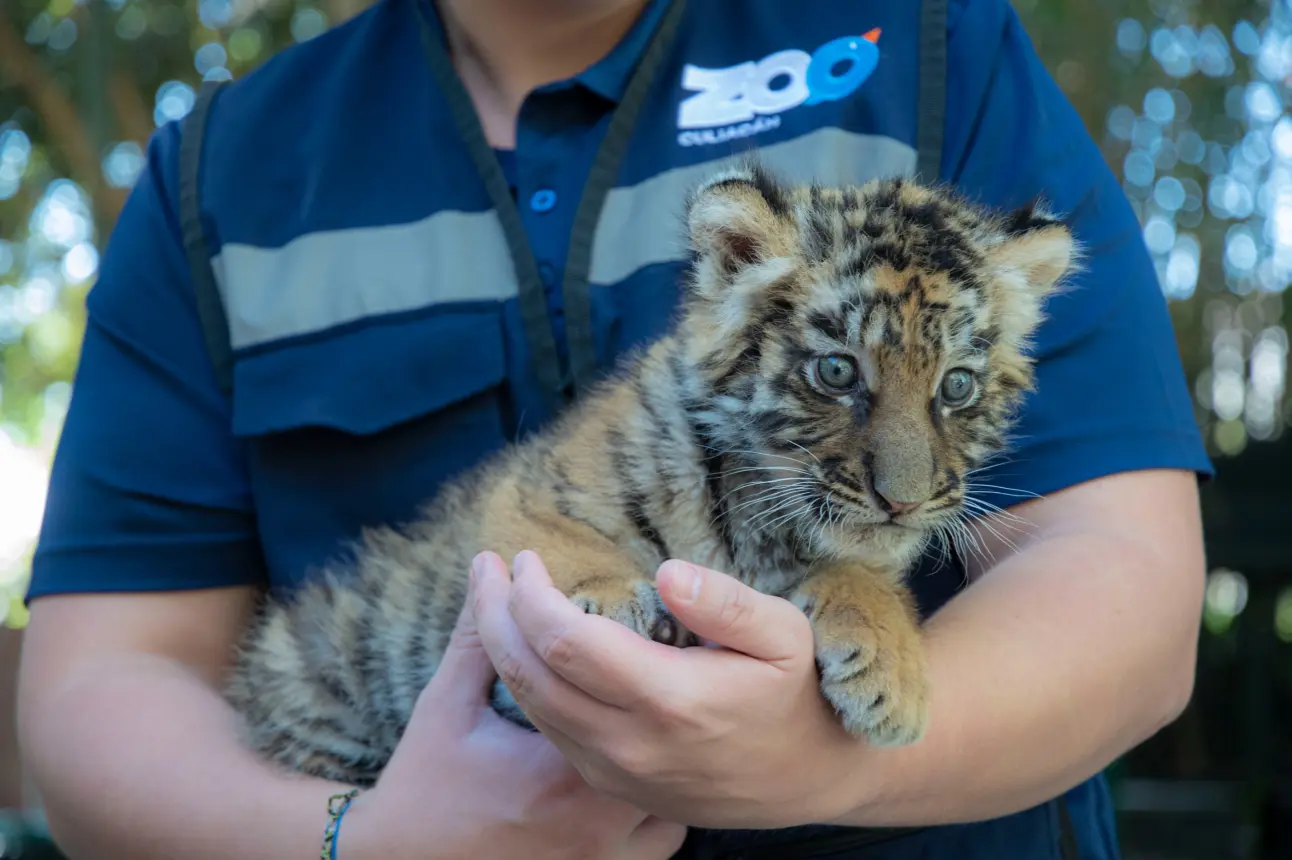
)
(608, 77)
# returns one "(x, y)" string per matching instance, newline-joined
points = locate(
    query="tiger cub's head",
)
(862, 347)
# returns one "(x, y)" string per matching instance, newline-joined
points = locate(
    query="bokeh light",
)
(1226, 598)
(1283, 616)
(174, 100)
(15, 150)
(308, 23)
(23, 480)
(123, 164)
(1214, 197)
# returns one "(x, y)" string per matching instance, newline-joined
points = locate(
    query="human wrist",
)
(881, 787)
(337, 806)
(854, 788)
(299, 808)
(360, 832)
(374, 829)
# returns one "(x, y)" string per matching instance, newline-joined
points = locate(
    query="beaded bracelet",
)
(337, 805)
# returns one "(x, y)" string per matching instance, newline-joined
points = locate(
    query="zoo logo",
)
(739, 101)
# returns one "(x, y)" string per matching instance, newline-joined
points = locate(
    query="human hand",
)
(734, 736)
(465, 783)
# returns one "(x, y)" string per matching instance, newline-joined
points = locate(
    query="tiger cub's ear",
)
(737, 219)
(1036, 251)
(1037, 248)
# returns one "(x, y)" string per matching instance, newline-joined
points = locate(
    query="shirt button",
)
(543, 200)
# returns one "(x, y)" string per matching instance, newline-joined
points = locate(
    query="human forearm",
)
(1053, 664)
(138, 758)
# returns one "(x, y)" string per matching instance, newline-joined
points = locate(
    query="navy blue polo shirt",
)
(374, 316)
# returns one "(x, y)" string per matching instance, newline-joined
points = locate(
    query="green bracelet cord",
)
(337, 805)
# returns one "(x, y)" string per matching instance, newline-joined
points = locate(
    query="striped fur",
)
(844, 358)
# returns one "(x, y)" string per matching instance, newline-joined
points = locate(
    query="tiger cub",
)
(843, 359)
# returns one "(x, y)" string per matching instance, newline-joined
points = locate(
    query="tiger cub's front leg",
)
(869, 651)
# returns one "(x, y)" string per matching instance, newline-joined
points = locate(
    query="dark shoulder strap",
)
(601, 178)
(1068, 848)
(210, 306)
(933, 90)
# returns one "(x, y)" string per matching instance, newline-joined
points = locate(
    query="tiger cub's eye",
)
(958, 387)
(836, 372)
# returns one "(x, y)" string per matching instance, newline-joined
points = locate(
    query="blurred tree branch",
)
(134, 120)
(22, 68)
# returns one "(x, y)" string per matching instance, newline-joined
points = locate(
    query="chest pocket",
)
(349, 420)
(360, 427)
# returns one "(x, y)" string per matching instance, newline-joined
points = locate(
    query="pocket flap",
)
(371, 376)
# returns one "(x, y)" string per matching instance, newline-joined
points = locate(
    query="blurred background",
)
(1187, 99)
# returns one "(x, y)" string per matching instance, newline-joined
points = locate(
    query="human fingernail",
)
(686, 582)
(479, 567)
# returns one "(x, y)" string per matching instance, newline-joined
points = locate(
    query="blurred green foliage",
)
(85, 81)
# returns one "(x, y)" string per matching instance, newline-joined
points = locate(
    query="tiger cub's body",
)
(843, 359)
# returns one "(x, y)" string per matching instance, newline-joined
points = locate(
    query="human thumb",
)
(729, 613)
(465, 674)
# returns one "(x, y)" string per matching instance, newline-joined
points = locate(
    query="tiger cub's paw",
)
(635, 604)
(504, 704)
(873, 673)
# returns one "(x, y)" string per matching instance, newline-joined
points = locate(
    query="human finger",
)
(537, 689)
(460, 686)
(655, 839)
(602, 657)
(725, 611)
